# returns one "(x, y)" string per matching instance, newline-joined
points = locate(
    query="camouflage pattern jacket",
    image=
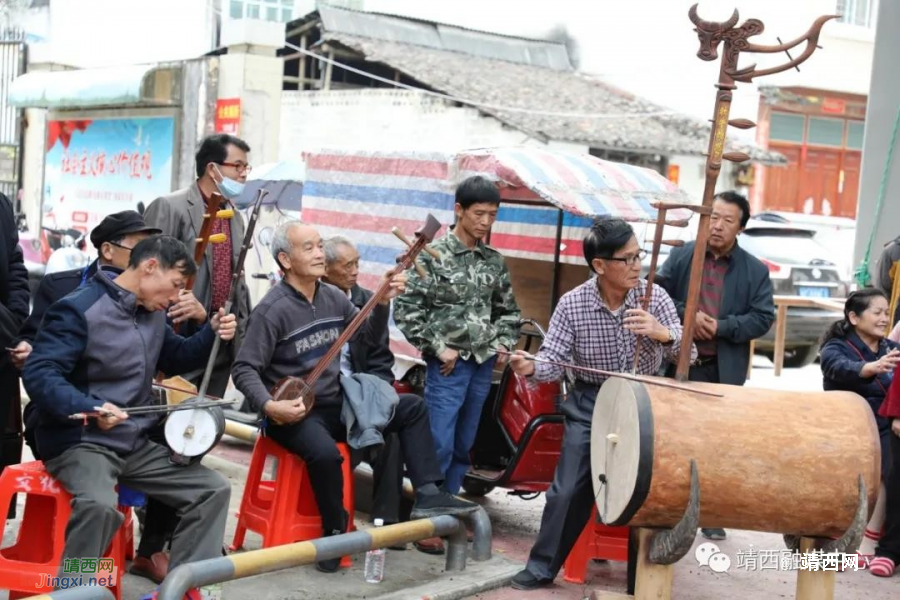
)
(466, 302)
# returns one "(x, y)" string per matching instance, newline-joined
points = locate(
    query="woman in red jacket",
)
(887, 554)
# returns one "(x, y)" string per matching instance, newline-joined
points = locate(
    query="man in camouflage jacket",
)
(458, 317)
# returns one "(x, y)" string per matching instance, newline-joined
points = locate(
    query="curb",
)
(476, 579)
(225, 467)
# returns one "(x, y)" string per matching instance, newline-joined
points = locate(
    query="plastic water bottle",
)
(375, 561)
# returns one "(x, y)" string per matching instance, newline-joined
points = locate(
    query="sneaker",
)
(713, 534)
(441, 503)
(524, 580)
(154, 568)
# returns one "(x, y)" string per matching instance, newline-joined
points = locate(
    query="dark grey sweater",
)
(286, 336)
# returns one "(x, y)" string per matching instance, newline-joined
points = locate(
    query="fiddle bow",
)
(291, 388)
(179, 434)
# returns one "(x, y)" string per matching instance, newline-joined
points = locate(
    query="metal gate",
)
(12, 64)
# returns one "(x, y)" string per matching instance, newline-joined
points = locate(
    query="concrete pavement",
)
(411, 574)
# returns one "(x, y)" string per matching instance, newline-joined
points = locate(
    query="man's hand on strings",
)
(501, 357)
(520, 364)
(224, 325)
(114, 416)
(188, 308)
(398, 286)
(640, 322)
(285, 412)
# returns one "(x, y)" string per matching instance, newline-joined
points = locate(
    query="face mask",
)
(229, 188)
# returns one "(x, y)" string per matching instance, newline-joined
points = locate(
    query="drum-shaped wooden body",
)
(291, 388)
(785, 462)
(193, 433)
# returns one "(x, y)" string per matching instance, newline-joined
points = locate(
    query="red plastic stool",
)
(284, 510)
(42, 533)
(597, 541)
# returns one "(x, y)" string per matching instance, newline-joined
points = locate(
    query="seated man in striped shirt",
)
(735, 305)
(596, 326)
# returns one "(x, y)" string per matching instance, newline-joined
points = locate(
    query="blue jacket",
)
(94, 346)
(841, 362)
(747, 310)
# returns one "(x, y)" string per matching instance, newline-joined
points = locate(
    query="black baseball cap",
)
(120, 224)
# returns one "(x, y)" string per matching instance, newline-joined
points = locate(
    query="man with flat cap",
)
(113, 238)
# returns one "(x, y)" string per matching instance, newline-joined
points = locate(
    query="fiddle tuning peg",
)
(742, 123)
(216, 238)
(420, 270)
(402, 237)
(736, 156)
(225, 213)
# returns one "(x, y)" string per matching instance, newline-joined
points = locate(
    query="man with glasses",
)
(736, 304)
(595, 325)
(222, 166)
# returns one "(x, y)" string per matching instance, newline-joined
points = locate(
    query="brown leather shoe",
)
(433, 545)
(154, 568)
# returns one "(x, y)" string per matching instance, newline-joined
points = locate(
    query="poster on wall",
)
(94, 167)
(228, 115)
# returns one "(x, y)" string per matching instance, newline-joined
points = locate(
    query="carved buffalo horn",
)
(669, 545)
(712, 26)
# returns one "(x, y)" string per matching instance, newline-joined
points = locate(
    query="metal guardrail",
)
(92, 592)
(256, 562)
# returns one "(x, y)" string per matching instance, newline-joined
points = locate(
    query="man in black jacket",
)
(735, 305)
(113, 237)
(342, 271)
(13, 310)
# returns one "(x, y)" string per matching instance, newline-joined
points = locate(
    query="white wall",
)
(384, 120)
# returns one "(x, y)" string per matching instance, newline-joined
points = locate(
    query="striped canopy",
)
(362, 195)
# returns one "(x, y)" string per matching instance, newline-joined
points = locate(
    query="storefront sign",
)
(94, 167)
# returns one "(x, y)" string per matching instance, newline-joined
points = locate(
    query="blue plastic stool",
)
(130, 497)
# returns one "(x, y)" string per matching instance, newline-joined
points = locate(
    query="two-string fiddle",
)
(292, 388)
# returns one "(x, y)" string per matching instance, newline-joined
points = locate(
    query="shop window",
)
(855, 134)
(826, 132)
(784, 127)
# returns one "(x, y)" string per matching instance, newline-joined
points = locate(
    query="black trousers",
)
(708, 373)
(387, 490)
(570, 498)
(10, 424)
(313, 439)
(889, 544)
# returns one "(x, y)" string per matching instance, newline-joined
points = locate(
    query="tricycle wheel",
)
(476, 487)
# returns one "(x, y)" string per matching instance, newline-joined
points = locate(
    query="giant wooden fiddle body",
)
(292, 388)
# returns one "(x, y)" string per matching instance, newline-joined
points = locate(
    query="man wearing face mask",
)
(222, 166)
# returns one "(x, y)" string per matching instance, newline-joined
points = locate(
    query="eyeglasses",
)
(628, 260)
(241, 167)
(120, 246)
